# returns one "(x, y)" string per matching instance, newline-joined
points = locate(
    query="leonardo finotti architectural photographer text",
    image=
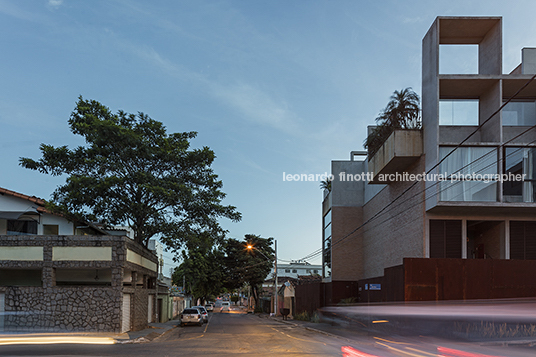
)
(406, 176)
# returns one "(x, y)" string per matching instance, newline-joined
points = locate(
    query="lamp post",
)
(250, 247)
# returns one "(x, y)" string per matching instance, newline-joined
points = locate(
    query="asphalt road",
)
(226, 334)
(238, 334)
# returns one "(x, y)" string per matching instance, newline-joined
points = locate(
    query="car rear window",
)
(190, 311)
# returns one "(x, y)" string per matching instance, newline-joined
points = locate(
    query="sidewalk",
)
(154, 331)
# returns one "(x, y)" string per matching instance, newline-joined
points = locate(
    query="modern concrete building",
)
(446, 212)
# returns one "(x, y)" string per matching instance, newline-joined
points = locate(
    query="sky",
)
(272, 87)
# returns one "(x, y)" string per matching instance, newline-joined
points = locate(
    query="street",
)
(226, 334)
(236, 333)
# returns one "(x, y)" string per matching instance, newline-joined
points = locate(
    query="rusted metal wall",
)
(309, 297)
(467, 279)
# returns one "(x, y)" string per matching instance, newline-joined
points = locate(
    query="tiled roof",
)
(36, 200)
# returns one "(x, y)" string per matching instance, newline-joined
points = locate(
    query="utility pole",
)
(275, 279)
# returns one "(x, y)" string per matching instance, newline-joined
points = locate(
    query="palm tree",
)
(402, 112)
(326, 184)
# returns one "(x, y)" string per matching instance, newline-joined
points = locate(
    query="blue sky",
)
(271, 86)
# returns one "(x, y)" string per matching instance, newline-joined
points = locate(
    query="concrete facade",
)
(376, 224)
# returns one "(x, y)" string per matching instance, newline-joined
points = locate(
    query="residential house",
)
(60, 274)
(296, 268)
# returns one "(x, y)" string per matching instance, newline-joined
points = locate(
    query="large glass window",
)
(470, 172)
(520, 161)
(20, 227)
(458, 112)
(326, 246)
(519, 113)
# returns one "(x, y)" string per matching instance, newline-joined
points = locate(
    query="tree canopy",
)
(132, 172)
(202, 272)
(251, 266)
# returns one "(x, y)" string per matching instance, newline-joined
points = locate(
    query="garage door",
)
(125, 323)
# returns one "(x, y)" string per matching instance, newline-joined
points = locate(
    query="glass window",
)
(294, 271)
(287, 270)
(326, 247)
(520, 161)
(50, 229)
(458, 112)
(519, 113)
(470, 174)
(327, 219)
(16, 227)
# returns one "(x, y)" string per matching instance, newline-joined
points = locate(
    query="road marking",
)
(396, 343)
(426, 353)
(295, 338)
(402, 351)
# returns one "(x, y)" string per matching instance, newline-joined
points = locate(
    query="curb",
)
(150, 337)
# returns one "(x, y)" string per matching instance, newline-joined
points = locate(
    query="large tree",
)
(202, 272)
(251, 266)
(132, 172)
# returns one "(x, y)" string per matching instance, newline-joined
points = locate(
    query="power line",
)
(317, 252)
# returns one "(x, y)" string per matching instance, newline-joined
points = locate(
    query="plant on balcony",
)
(326, 184)
(402, 112)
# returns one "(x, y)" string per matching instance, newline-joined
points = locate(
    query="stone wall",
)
(76, 307)
(62, 308)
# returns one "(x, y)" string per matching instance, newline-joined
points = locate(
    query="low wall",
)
(62, 308)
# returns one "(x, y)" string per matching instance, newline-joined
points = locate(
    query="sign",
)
(375, 286)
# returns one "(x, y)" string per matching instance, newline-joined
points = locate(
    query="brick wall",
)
(399, 231)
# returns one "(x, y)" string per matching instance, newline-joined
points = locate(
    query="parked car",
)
(209, 307)
(191, 316)
(203, 312)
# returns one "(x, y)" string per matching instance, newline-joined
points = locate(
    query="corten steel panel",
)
(514, 278)
(477, 278)
(367, 295)
(343, 290)
(420, 279)
(449, 278)
(419, 271)
(393, 283)
(421, 293)
(309, 297)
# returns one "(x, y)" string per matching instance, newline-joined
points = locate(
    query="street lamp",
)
(250, 247)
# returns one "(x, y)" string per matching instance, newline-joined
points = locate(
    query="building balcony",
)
(401, 149)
